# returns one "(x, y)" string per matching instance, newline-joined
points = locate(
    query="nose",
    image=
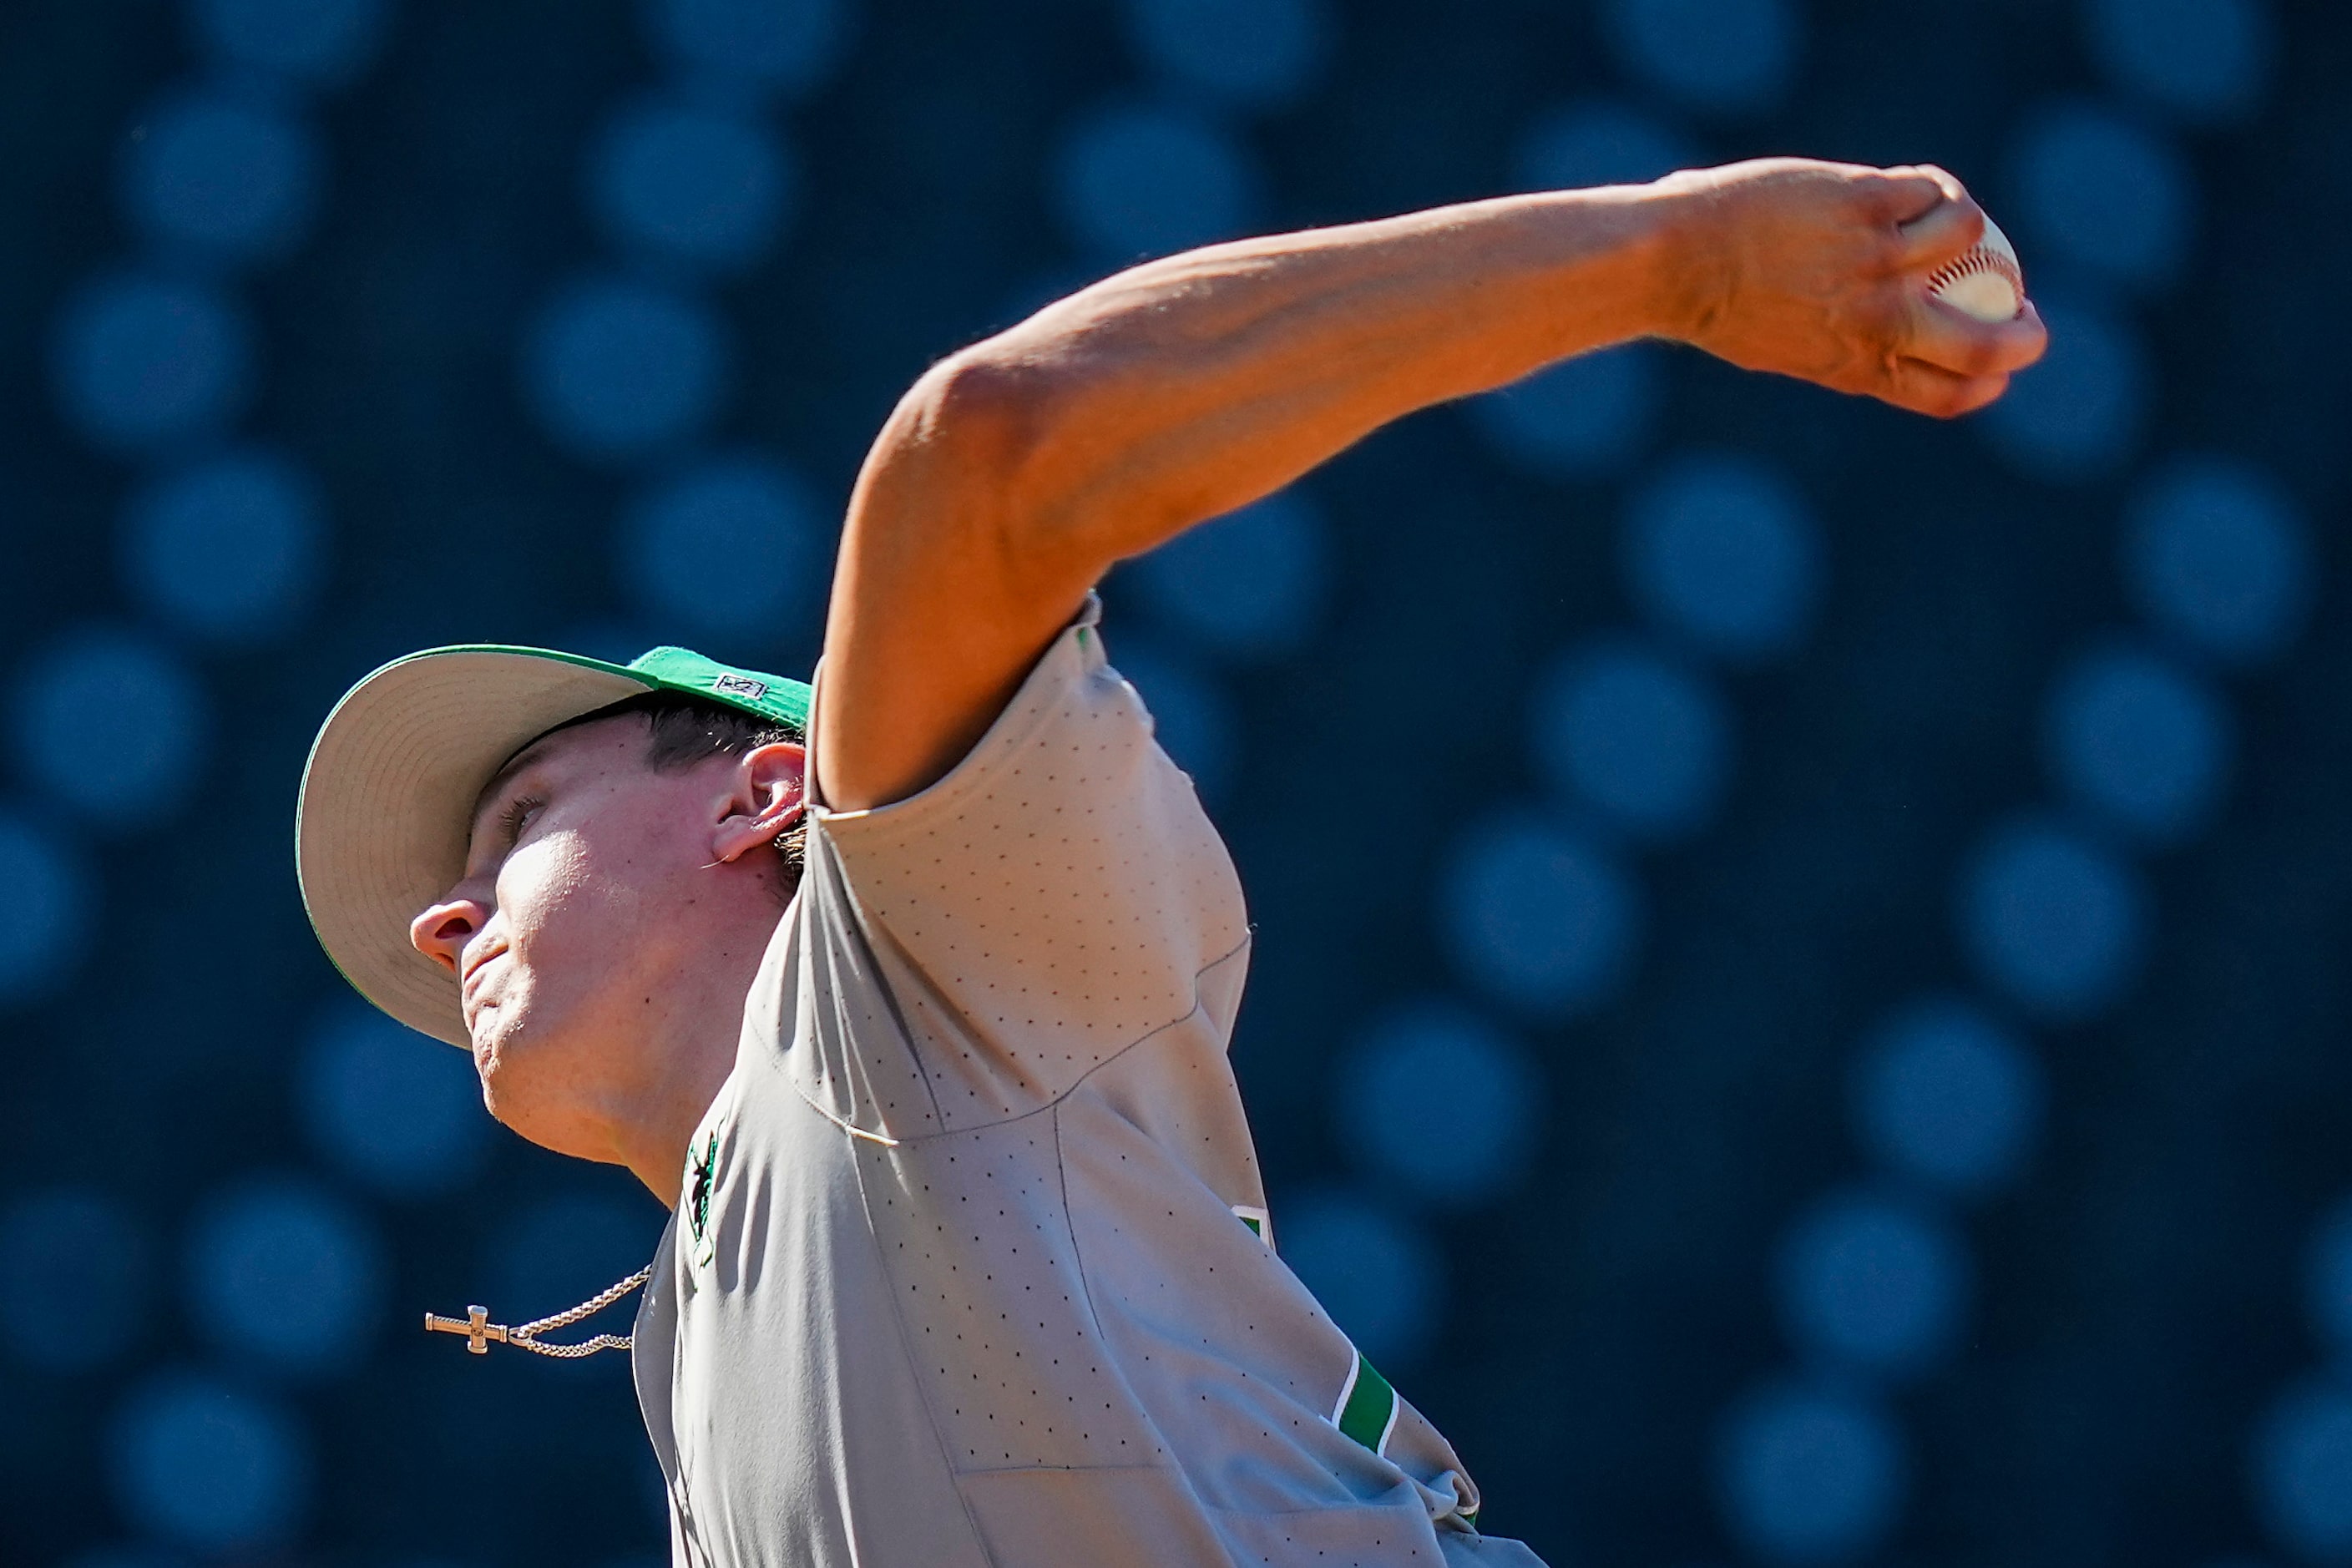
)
(441, 932)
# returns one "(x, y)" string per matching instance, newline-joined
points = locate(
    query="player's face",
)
(588, 886)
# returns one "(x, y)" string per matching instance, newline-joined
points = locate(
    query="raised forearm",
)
(1185, 387)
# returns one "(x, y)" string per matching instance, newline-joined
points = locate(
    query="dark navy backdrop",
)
(1798, 1005)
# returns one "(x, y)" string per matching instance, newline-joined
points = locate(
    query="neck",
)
(693, 1025)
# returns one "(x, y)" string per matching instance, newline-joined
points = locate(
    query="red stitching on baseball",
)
(1981, 259)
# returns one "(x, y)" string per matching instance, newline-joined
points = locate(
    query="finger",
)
(1939, 394)
(1905, 194)
(2027, 312)
(1950, 339)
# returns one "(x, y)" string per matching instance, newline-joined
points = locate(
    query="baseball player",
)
(911, 993)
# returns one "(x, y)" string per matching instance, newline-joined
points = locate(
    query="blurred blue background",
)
(1800, 1004)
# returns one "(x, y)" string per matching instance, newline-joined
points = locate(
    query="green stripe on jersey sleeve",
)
(1367, 1410)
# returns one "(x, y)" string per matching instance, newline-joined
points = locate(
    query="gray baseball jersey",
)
(970, 1264)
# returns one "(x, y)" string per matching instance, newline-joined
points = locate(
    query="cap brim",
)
(380, 832)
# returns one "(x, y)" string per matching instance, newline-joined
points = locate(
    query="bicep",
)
(946, 590)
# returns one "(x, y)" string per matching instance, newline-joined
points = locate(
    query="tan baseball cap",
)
(388, 793)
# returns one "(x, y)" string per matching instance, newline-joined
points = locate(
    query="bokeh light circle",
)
(1580, 417)
(699, 184)
(1721, 551)
(1810, 1474)
(73, 1278)
(210, 1466)
(2076, 414)
(2138, 741)
(48, 912)
(1135, 180)
(617, 368)
(1442, 1105)
(391, 1108)
(2055, 923)
(2219, 556)
(1249, 584)
(286, 1275)
(1735, 57)
(229, 549)
(320, 43)
(2102, 192)
(2207, 61)
(1631, 733)
(732, 547)
(70, 693)
(2301, 1459)
(146, 362)
(1874, 1284)
(1373, 1271)
(1948, 1097)
(1537, 917)
(230, 178)
(1256, 53)
(1597, 142)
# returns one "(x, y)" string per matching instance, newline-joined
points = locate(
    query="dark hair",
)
(684, 731)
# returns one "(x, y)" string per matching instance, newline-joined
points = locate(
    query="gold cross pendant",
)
(475, 1325)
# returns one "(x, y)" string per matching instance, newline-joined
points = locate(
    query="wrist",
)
(1688, 263)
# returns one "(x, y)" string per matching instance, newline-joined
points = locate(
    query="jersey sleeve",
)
(969, 953)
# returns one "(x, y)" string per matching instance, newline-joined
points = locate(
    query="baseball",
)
(1986, 282)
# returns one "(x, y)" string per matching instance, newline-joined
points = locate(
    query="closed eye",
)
(515, 817)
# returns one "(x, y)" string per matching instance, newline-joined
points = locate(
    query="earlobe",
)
(741, 833)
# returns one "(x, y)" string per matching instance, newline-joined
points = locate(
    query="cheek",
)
(573, 903)
(544, 899)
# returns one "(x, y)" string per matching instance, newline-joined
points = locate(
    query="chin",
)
(507, 1061)
(532, 1085)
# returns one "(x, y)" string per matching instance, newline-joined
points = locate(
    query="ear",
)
(769, 793)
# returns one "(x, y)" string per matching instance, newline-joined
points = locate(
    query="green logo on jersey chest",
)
(701, 1176)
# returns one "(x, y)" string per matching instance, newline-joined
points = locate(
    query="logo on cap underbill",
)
(740, 686)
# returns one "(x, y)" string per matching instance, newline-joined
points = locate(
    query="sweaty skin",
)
(610, 918)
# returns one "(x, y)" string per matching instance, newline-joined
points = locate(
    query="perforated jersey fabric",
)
(959, 1276)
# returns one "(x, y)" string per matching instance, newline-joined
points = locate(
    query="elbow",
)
(1013, 433)
(991, 416)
